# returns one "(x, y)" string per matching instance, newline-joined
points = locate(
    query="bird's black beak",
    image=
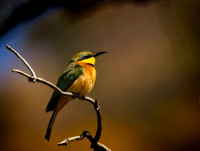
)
(100, 53)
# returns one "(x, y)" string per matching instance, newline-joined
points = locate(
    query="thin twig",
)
(71, 139)
(23, 60)
(41, 80)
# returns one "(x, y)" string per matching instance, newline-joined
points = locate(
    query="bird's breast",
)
(85, 82)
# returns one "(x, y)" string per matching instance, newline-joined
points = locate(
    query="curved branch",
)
(98, 112)
(33, 78)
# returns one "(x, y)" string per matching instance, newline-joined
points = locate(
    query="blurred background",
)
(148, 84)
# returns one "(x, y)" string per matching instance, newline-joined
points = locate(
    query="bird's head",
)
(86, 56)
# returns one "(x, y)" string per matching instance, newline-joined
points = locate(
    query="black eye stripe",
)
(84, 57)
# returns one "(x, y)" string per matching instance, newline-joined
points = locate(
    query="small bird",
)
(78, 78)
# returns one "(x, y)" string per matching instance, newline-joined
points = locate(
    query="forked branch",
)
(98, 146)
(33, 78)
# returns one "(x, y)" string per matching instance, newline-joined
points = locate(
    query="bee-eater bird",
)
(78, 78)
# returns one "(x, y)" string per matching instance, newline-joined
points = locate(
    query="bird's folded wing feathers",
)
(64, 82)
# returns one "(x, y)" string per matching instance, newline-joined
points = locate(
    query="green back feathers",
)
(65, 80)
(72, 72)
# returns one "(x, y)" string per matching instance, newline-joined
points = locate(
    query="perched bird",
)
(78, 78)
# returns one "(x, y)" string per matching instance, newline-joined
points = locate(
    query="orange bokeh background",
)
(147, 85)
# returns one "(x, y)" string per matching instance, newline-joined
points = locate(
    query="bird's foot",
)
(76, 95)
(82, 98)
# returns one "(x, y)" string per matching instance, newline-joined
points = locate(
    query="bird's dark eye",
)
(83, 57)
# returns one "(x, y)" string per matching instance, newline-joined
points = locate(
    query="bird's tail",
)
(51, 122)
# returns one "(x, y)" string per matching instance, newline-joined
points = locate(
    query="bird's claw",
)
(75, 95)
(82, 98)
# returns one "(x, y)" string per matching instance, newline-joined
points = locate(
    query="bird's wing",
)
(64, 82)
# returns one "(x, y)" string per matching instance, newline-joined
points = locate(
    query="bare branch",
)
(33, 78)
(41, 80)
(23, 60)
(71, 139)
(97, 147)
